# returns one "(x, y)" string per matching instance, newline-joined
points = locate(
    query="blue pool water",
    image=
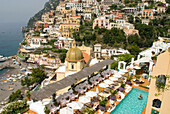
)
(131, 104)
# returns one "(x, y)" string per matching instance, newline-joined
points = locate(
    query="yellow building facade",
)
(159, 102)
(67, 29)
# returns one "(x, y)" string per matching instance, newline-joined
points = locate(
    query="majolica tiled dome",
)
(74, 53)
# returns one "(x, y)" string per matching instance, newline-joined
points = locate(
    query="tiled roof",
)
(69, 24)
(48, 90)
(86, 57)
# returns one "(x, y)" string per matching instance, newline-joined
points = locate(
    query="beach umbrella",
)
(80, 91)
(72, 97)
(121, 89)
(63, 102)
(117, 76)
(104, 94)
(113, 97)
(137, 67)
(75, 105)
(66, 110)
(103, 85)
(108, 81)
(84, 99)
(113, 78)
(91, 94)
(30, 87)
(121, 73)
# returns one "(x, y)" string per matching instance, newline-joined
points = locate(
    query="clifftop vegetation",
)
(51, 5)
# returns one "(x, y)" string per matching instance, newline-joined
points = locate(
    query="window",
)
(156, 103)
(72, 66)
(97, 55)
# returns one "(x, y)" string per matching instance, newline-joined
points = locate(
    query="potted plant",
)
(129, 78)
(137, 77)
(113, 94)
(28, 95)
(102, 104)
(87, 110)
(46, 110)
(122, 87)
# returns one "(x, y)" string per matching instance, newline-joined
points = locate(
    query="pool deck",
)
(117, 102)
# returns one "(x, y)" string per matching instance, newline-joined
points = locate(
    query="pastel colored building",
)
(35, 58)
(50, 61)
(147, 13)
(64, 43)
(161, 9)
(107, 53)
(159, 104)
(163, 1)
(71, 19)
(101, 22)
(67, 29)
(130, 10)
(36, 41)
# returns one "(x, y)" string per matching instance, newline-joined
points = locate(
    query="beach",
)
(5, 84)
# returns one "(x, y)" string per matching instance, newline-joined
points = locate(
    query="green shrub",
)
(144, 86)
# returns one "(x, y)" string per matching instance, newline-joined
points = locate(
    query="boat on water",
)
(2, 58)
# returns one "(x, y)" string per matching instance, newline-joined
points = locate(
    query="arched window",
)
(156, 103)
(72, 66)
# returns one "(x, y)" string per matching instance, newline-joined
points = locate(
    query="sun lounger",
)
(136, 84)
(111, 101)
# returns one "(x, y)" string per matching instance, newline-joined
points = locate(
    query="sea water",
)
(13, 15)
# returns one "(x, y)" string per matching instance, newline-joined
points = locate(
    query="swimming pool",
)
(131, 104)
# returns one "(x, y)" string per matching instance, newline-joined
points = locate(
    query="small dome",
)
(74, 53)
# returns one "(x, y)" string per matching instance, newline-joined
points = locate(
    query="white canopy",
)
(75, 105)
(37, 107)
(142, 60)
(136, 67)
(84, 99)
(91, 94)
(108, 81)
(103, 85)
(113, 78)
(66, 110)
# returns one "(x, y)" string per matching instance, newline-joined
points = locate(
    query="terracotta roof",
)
(86, 57)
(30, 112)
(48, 90)
(147, 10)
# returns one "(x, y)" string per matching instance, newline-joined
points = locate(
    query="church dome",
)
(74, 53)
